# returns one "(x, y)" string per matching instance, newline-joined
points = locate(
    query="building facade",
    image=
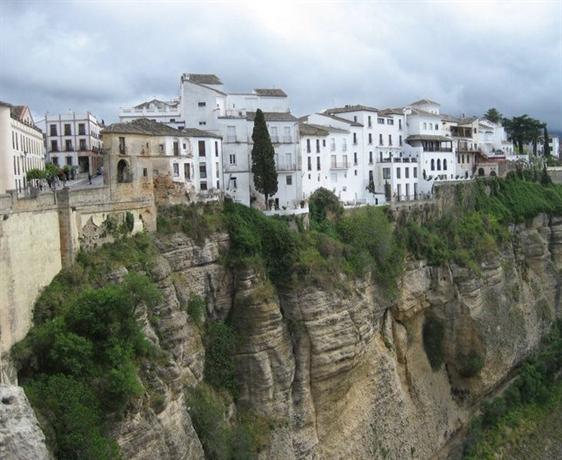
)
(21, 147)
(190, 157)
(73, 139)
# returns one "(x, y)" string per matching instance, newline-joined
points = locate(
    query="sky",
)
(99, 56)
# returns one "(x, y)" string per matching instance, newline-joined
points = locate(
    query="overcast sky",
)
(468, 55)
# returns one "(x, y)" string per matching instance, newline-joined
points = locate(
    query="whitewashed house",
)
(21, 146)
(73, 139)
(167, 112)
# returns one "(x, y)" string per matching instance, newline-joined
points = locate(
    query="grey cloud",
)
(468, 55)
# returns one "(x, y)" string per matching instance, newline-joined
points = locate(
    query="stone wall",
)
(39, 236)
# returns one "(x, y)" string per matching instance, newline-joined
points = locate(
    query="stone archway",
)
(481, 172)
(123, 172)
(493, 173)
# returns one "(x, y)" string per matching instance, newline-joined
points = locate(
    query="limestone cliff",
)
(337, 371)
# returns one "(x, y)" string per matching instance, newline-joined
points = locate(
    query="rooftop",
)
(343, 120)
(427, 137)
(203, 78)
(307, 129)
(147, 127)
(270, 92)
(425, 101)
(272, 116)
(157, 102)
(351, 108)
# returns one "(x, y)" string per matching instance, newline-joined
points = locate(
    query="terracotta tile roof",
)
(270, 92)
(148, 127)
(344, 120)
(204, 78)
(273, 116)
(307, 129)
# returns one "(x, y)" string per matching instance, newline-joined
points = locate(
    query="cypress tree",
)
(546, 141)
(263, 159)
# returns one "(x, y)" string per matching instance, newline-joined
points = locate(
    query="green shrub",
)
(470, 364)
(129, 221)
(241, 439)
(220, 344)
(197, 221)
(196, 308)
(324, 204)
(433, 333)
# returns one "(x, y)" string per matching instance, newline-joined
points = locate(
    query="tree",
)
(263, 159)
(493, 115)
(546, 141)
(523, 130)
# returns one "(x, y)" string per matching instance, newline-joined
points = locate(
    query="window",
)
(201, 145)
(234, 182)
(370, 158)
(172, 120)
(81, 129)
(355, 171)
(231, 134)
(176, 169)
(400, 140)
(323, 142)
(370, 138)
(232, 159)
(176, 149)
(145, 172)
(67, 131)
(390, 139)
(161, 147)
(344, 145)
(431, 126)
(287, 134)
(445, 164)
(53, 130)
(355, 158)
(436, 126)
(274, 134)
(354, 138)
(309, 163)
(318, 163)
(82, 144)
(187, 171)
(415, 173)
(54, 146)
(68, 145)
(390, 121)
(380, 139)
(289, 180)
(202, 171)
(399, 123)
(398, 173)
(424, 125)
(333, 144)
(407, 172)
(201, 104)
(202, 123)
(203, 185)
(216, 148)
(308, 146)
(432, 164)
(317, 145)
(380, 121)
(369, 121)
(56, 161)
(386, 173)
(438, 164)
(69, 161)
(122, 147)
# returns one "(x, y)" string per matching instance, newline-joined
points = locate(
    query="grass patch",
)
(197, 221)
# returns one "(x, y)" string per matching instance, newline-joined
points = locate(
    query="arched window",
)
(432, 164)
(123, 172)
(445, 164)
(480, 171)
(492, 173)
(438, 164)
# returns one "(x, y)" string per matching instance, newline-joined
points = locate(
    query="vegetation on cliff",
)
(79, 363)
(532, 395)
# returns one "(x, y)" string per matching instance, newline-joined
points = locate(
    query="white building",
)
(204, 104)
(21, 146)
(167, 112)
(73, 139)
(191, 157)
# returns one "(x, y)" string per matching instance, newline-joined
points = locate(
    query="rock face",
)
(342, 374)
(20, 435)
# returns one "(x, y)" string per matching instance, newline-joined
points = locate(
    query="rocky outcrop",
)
(339, 371)
(20, 435)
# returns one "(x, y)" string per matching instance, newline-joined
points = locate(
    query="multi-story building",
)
(73, 139)
(190, 156)
(167, 112)
(21, 146)
(204, 104)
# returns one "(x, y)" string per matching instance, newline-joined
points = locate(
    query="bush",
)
(241, 439)
(220, 344)
(433, 333)
(470, 364)
(196, 308)
(197, 221)
(324, 204)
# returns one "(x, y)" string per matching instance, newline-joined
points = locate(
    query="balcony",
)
(339, 165)
(286, 166)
